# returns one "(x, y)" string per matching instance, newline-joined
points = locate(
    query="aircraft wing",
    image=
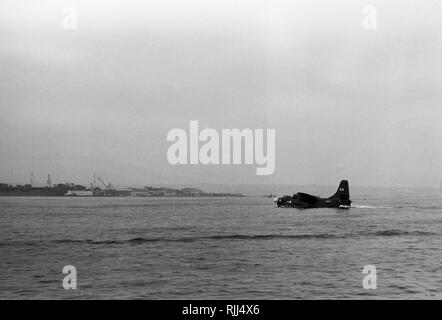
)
(307, 198)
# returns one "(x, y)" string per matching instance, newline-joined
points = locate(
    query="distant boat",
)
(79, 193)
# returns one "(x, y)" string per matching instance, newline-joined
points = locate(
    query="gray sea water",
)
(220, 248)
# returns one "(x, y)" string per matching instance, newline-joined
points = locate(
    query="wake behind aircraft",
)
(341, 199)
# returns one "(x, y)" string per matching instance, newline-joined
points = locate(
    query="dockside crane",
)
(110, 189)
(104, 184)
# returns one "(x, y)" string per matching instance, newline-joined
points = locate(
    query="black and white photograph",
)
(220, 150)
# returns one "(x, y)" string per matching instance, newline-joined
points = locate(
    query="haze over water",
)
(183, 248)
(344, 101)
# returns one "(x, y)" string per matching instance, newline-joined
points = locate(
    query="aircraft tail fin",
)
(343, 192)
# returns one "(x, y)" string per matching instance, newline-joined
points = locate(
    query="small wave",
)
(271, 236)
(382, 233)
(396, 232)
(140, 240)
(233, 237)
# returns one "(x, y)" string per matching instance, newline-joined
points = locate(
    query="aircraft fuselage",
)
(304, 200)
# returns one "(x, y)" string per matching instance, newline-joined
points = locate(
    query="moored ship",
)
(30, 191)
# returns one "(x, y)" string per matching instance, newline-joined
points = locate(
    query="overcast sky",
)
(345, 102)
